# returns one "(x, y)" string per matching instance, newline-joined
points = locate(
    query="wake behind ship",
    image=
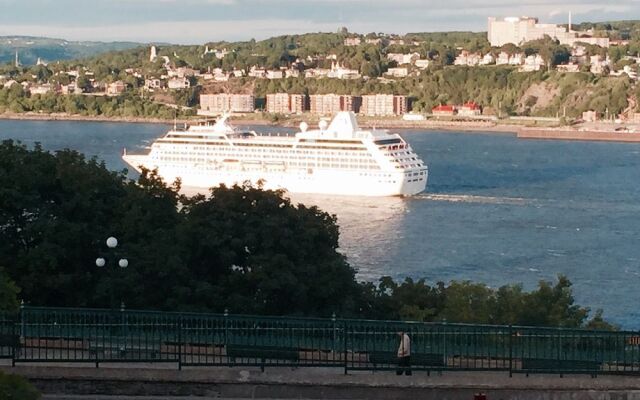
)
(335, 159)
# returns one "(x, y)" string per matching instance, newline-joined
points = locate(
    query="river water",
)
(497, 210)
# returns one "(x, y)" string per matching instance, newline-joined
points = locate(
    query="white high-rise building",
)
(154, 54)
(518, 30)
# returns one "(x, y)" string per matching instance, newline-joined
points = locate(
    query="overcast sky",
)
(199, 21)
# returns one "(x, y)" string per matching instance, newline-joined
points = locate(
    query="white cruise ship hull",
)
(337, 159)
(356, 183)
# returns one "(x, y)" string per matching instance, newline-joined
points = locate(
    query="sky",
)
(200, 21)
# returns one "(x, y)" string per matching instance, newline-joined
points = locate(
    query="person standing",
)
(404, 354)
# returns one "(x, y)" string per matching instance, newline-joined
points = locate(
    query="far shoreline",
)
(525, 132)
(430, 125)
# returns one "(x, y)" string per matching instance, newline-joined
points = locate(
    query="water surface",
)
(497, 210)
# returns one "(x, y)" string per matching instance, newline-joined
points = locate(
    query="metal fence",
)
(189, 339)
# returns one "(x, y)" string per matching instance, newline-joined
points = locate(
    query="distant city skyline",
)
(200, 21)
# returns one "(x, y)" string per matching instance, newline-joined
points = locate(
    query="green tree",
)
(242, 248)
(84, 83)
(8, 293)
(553, 305)
(468, 302)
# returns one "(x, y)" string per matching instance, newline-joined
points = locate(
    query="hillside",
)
(241, 67)
(31, 48)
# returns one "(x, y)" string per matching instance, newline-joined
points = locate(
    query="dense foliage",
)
(16, 100)
(242, 248)
(239, 248)
(8, 292)
(548, 305)
(14, 387)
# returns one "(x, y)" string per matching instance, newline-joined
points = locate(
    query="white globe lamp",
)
(112, 242)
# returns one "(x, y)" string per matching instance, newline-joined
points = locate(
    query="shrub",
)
(14, 387)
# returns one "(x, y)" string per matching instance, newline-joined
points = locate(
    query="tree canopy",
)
(8, 292)
(468, 302)
(240, 248)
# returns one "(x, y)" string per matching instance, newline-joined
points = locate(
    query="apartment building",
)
(384, 105)
(329, 104)
(284, 103)
(221, 103)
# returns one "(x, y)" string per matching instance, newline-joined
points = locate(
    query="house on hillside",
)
(179, 83)
(470, 109)
(488, 59)
(599, 63)
(516, 59)
(533, 63)
(116, 88)
(590, 116)
(467, 58)
(274, 74)
(503, 58)
(568, 67)
(398, 72)
(444, 111)
(153, 84)
(41, 89)
(352, 41)
(10, 83)
(422, 64)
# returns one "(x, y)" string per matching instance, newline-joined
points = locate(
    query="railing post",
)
(123, 331)
(180, 327)
(333, 344)
(345, 338)
(444, 342)
(226, 328)
(510, 351)
(16, 345)
(558, 356)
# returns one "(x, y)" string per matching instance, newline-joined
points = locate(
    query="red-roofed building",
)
(470, 109)
(444, 110)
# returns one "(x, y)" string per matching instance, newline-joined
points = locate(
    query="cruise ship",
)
(337, 158)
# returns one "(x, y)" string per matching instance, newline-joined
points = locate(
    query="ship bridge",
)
(344, 126)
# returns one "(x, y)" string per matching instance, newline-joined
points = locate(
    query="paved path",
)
(160, 382)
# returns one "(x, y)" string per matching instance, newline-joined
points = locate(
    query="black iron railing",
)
(97, 336)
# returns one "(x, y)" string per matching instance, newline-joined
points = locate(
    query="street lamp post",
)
(122, 263)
